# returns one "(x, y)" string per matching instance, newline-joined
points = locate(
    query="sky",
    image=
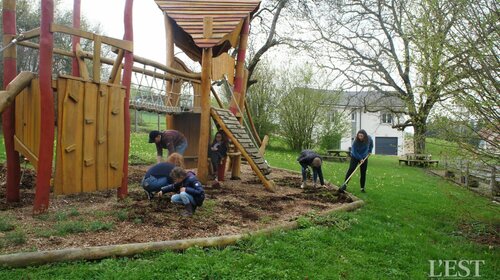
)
(149, 28)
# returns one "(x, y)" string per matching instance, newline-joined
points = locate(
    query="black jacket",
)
(306, 157)
(193, 187)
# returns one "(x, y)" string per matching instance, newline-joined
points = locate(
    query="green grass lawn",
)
(409, 218)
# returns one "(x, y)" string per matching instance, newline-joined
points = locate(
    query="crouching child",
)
(189, 191)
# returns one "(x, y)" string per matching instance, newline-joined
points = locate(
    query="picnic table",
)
(412, 159)
(335, 154)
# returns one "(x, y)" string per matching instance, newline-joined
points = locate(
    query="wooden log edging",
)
(122, 250)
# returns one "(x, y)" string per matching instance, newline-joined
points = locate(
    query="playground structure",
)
(92, 119)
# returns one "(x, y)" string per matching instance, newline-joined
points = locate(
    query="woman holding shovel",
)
(360, 151)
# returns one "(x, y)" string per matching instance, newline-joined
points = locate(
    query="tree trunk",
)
(419, 137)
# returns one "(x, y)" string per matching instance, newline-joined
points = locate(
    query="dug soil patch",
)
(95, 219)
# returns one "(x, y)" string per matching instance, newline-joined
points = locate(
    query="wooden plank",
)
(96, 62)
(58, 181)
(207, 26)
(18, 125)
(25, 151)
(102, 138)
(115, 132)
(89, 183)
(72, 137)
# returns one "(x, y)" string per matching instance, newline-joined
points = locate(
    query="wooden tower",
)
(204, 30)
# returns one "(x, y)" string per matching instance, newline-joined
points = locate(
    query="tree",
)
(28, 18)
(300, 112)
(475, 50)
(396, 47)
(261, 99)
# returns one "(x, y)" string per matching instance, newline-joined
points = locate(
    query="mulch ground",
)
(94, 219)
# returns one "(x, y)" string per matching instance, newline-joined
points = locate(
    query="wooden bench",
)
(418, 162)
(334, 158)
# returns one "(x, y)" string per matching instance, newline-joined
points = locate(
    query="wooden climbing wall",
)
(27, 125)
(90, 135)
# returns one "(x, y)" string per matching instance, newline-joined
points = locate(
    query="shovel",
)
(344, 185)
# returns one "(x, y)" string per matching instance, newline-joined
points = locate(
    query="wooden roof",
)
(227, 19)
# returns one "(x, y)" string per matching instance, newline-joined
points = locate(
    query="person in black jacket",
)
(188, 189)
(310, 158)
(158, 175)
(218, 151)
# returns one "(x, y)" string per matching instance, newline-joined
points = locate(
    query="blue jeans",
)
(317, 172)
(182, 198)
(153, 184)
(181, 148)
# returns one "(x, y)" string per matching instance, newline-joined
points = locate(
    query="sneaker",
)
(363, 190)
(303, 185)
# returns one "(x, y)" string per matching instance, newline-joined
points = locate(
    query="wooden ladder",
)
(241, 140)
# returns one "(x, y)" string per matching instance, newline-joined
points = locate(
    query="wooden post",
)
(240, 73)
(8, 116)
(96, 62)
(75, 71)
(46, 147)
(206, 66)
(127, 78)
(238, 99)
(169, 39)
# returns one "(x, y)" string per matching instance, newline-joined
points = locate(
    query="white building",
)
(376, 113)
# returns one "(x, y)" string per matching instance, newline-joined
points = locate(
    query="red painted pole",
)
(75, 70)
(45, 152)
(127, 77)
(8, 116)
(240, 65)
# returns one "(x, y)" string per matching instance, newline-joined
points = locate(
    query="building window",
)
(386, 118)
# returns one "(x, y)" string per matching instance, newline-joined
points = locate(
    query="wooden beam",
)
(46, 146)
(96, 62)
(206, 66)
(127, 78)
(75, 40)
(169, 62)
(84, 72)
(116, 67)
(122, 44)
(165, 68)
(17, 85)
(217, 98)
(35, 32)
(8, 117)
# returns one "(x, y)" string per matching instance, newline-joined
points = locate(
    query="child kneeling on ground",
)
(189, 191)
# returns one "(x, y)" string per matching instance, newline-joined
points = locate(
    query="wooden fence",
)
(476, 175)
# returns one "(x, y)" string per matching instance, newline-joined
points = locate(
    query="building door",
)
(386, 145)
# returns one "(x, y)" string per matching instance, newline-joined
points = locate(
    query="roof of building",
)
(187, 17)
(370, 100)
